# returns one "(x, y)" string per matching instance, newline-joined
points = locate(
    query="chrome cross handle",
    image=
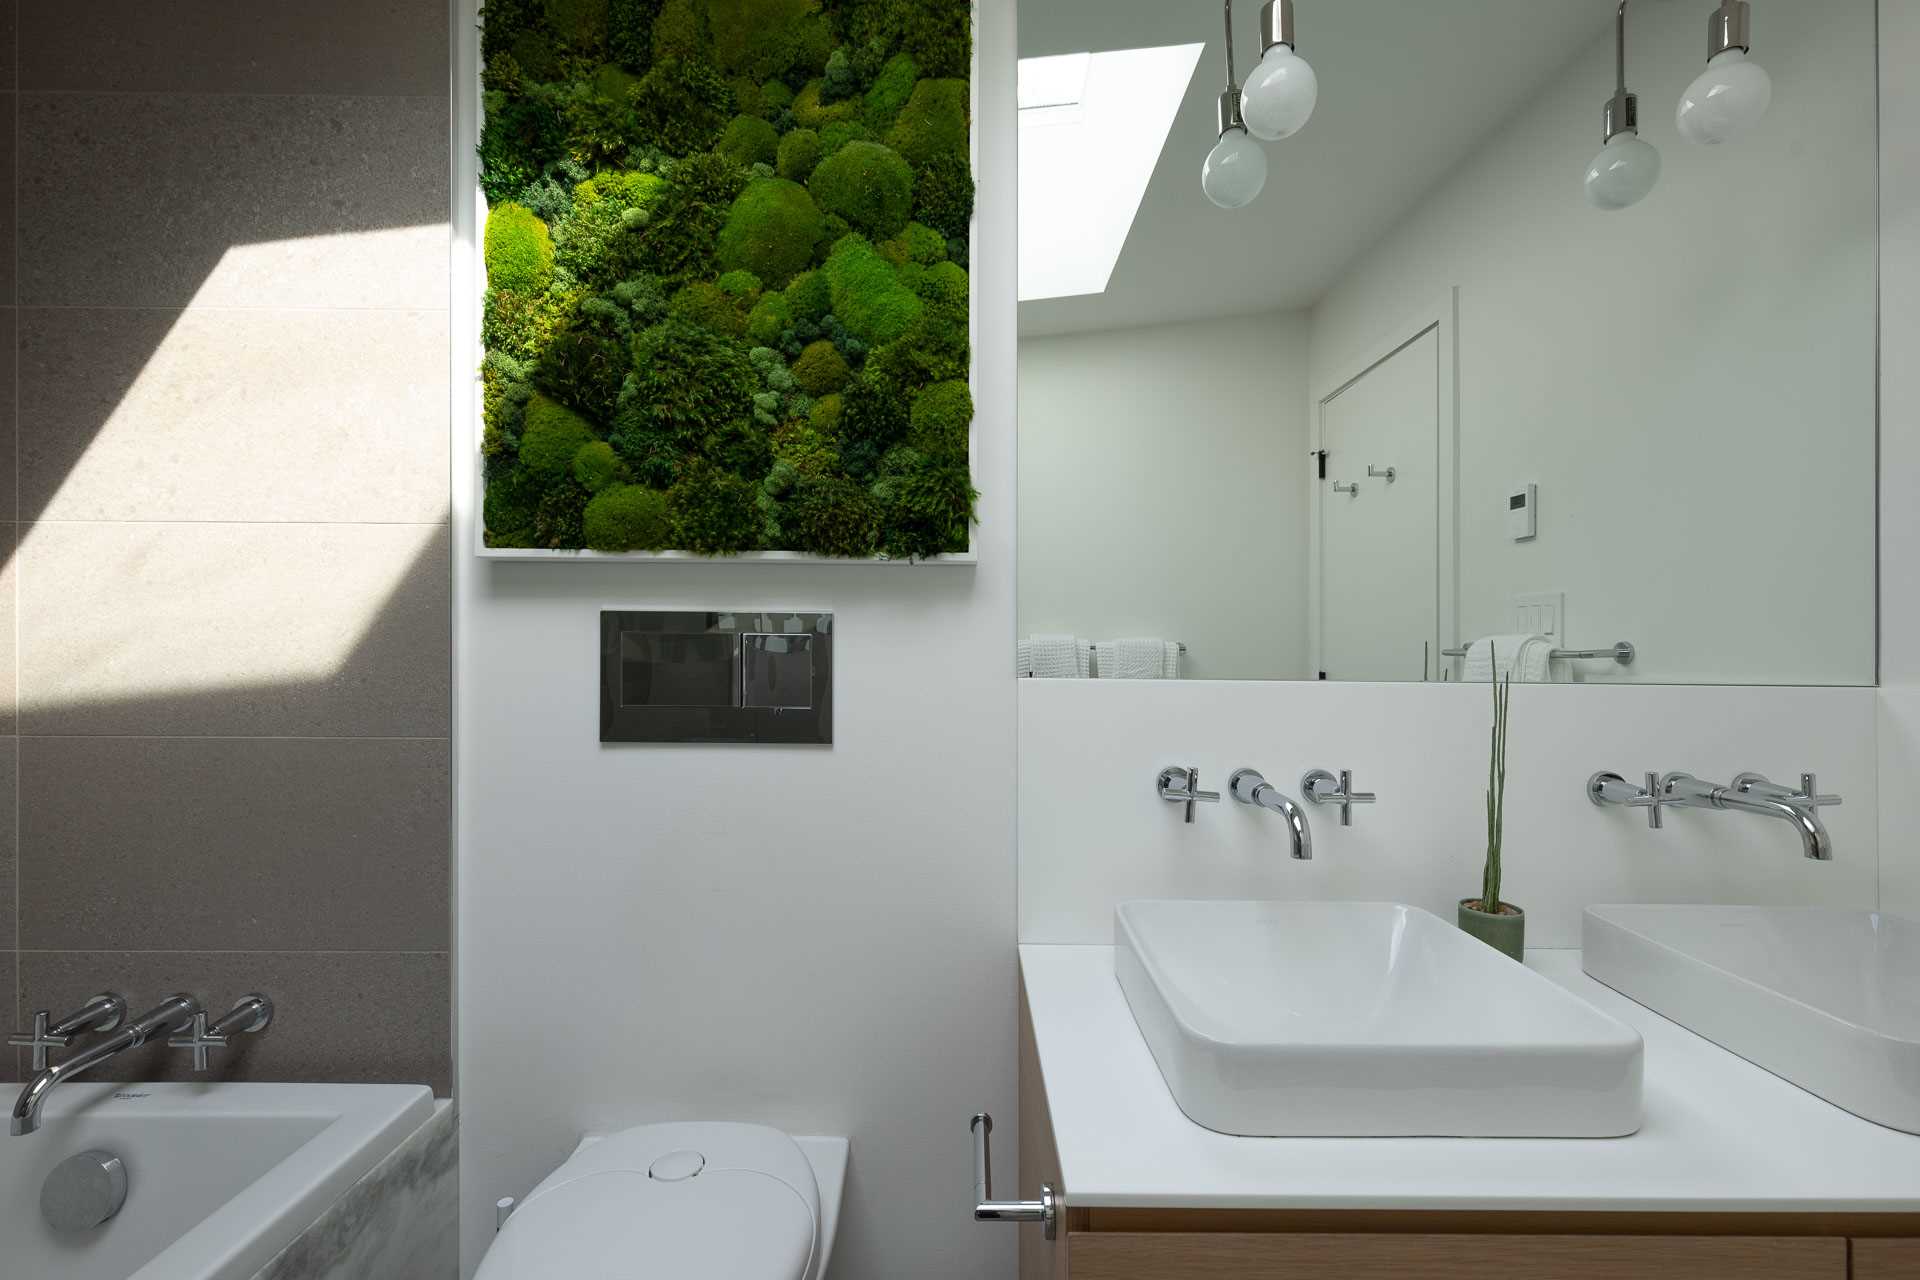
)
(1180, 784)
(1045, 1210)
(1807, 797)
(199, 1038)
(1605, 788)
(103, 1012)
(1318, 786)
(251, 1013)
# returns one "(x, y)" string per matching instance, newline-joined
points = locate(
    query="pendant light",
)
(1628, 165)
(1280, 93)
(1235, 171)
(1731, 95)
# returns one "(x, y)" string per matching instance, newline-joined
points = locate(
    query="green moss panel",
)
(727, 289)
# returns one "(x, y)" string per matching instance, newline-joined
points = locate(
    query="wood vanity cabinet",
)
(1886, 1259)
(1217, 1244)
(1102, 1255)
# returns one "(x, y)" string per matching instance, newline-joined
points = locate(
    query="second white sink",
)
(1824, 997)
(1365, 1019)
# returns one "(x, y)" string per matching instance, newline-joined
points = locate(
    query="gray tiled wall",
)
(224, 615)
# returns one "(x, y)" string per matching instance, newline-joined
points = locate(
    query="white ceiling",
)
(1407, 87)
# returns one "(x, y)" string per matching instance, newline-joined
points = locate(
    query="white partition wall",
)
(815, 938)
(1899, 458)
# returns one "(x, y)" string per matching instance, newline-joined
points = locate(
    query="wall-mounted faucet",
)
(1752, 793)
(102, 1013)
(1248, 787)
(1321, 787)
(169, 1015)
(252, 1012)
(1605, 788)
(1747, 793)
(1180, 784)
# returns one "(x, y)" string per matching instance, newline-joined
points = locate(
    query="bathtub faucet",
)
(170, 1015)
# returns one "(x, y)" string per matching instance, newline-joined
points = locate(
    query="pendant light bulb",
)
(1235, 171)
(1628, 165)
(1281, 92)
(1623, 173)
(1731, 95)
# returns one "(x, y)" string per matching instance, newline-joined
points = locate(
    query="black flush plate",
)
(750, 676)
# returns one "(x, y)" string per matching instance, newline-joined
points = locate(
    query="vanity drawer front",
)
(1232, 1256)
(1886, 1260)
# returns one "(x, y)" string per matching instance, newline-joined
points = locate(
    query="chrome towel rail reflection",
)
(1621, 652)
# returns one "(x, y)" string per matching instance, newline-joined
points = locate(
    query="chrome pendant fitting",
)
(1730, 27)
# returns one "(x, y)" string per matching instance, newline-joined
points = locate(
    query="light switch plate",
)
(1539, 613)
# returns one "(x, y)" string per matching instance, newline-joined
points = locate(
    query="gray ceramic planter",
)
(1505, 933)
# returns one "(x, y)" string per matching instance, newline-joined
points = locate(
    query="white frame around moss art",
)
(469, 286)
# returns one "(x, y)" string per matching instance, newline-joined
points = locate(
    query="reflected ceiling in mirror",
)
(1420, 409)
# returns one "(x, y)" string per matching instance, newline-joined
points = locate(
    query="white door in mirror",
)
(1379, 608)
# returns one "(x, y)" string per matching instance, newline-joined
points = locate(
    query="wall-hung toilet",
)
(709, 1201)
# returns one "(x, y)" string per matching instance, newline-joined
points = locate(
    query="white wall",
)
(1690, 381)
(1092, 832)
(1163, 490)
(821, 939)
(1899, 459)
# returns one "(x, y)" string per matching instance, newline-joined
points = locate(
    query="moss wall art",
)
(727, 293)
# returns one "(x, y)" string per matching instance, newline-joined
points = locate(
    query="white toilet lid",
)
(665, 1201)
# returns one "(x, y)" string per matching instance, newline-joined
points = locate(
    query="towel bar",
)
(1621, 652)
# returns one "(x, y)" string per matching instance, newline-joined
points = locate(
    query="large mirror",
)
(1431, 402)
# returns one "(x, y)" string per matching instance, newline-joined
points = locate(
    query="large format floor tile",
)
(236, 46)
(9, 640)
(9, 362)
(266, 415)
(234, 843)
(9, 162)
(9, 844)
(9, 1057)
(250, 201)
(235, 629)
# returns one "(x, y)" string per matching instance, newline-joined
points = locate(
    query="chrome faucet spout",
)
(168, 1016)
(1814, 841)
(1248, 787)
(1803, 812)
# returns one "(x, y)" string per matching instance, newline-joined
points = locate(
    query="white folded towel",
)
(1527, 659)
(1055, 657)
(1138, 658)
(1534, 663)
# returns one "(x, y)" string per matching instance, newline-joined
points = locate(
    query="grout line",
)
(13, 552)
(220, 737)
(213, 951)
(231, 307)
(23, 90)
(243, 524)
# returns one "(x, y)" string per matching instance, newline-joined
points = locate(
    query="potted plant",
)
(1500, 925)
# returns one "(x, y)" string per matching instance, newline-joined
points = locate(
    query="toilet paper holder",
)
(985, 1208)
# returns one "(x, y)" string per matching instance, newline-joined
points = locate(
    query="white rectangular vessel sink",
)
(1365, 1019)
(1824, 997)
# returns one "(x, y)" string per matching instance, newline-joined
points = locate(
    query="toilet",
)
(706, 1201)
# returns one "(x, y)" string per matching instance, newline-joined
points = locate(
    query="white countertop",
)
(1720, 1134)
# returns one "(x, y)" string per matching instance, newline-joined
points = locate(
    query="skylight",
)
(1092, 126)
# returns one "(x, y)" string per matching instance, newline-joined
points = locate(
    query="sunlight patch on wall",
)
(241, 516)
(123, 614)
(385, 267)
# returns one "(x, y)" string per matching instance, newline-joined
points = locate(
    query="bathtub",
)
(220, 1177)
